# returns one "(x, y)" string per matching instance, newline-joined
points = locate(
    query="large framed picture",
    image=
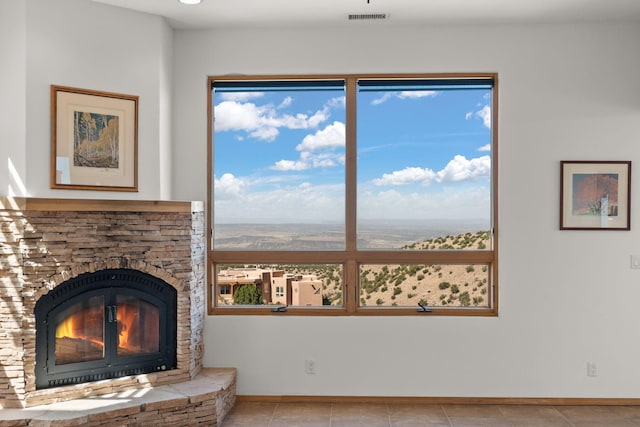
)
(595, 195)
(94, 140)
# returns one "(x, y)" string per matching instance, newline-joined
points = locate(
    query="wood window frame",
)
(351, 258)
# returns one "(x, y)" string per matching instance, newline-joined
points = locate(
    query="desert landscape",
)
(445, 285)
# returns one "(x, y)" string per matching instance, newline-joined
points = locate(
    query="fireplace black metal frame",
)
(108, 283)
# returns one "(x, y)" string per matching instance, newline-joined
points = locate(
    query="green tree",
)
(247, 295)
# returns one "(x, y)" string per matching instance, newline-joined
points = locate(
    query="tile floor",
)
(260, 414)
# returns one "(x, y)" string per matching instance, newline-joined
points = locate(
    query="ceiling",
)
(281, 13)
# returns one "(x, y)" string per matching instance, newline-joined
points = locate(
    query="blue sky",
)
(279, 156)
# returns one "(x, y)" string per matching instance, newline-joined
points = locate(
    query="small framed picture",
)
(595, 195)
(94, 140)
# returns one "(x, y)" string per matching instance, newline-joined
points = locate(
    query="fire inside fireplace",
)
(80, 336)
(105, 325)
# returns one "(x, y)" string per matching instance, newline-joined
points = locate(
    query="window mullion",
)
(351, 266)
(350, 166)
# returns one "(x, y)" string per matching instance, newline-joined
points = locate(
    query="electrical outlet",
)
(592, 369)
(310, 366)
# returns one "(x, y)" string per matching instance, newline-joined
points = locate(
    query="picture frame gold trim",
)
(595, 195)
(94, 140)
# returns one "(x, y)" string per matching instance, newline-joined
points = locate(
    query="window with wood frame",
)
(353, 194)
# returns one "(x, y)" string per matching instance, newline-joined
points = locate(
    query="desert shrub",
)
(465, 298)
(444, 285)
(455, 289)
(470, 269)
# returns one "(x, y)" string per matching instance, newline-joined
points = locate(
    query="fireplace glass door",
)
(81, 329)
(79, 332)
(138, 327)
(105, 325)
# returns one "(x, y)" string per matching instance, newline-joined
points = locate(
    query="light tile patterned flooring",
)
(261, 414)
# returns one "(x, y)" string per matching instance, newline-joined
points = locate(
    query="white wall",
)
(13, 66)
(91, 46)
(567, 92)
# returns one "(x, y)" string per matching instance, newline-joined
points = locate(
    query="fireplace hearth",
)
(107, 324)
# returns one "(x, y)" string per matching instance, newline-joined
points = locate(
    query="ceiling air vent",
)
(368, 16)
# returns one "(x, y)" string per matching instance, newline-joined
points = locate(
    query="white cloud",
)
(290, 165)
(440, 203)
(485, 148)
(232, 115)
(229, 186)
(405, 94)
(415, 94)
(318, 150)
(286, 102)
(485, 115)
(266, 133)
(337, 102)
(262, 122)
(407, 175)
(303, 202)
(457, 170)
(332, 136)
(460, 169)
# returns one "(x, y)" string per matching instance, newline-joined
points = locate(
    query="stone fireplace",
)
(54, 251)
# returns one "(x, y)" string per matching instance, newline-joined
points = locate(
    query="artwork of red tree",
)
(590, 190)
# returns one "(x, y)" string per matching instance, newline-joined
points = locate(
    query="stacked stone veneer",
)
(44, 242)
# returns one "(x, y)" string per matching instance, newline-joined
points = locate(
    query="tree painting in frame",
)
(94, 140)
(595, 195)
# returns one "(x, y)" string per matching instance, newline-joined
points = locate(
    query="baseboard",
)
(554, 401)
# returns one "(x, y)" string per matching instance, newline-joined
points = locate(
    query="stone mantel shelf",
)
(98, 205)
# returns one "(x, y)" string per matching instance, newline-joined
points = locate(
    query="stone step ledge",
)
(202, 401)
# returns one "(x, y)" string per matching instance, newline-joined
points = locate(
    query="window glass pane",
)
(279, 166)
(424, 162)
(447, 285)
(296, 285)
